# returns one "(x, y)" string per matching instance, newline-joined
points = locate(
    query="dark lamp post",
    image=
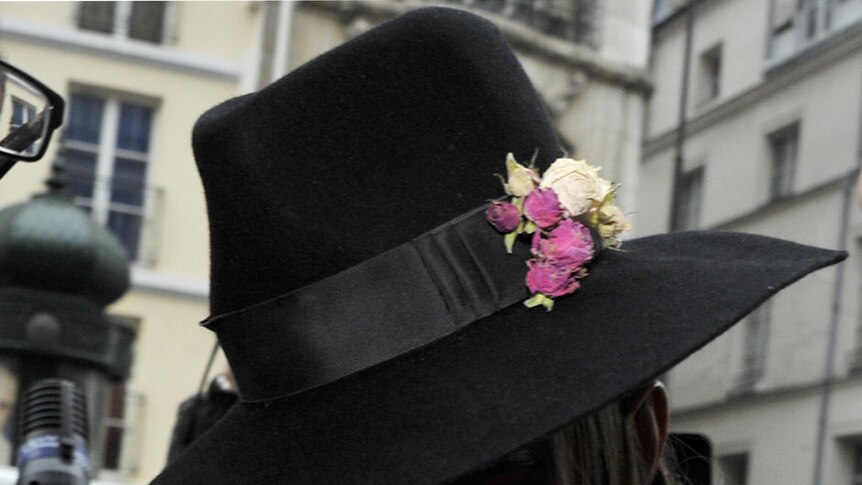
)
(58, 272)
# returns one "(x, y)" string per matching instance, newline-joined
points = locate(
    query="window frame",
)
(689, 201)
(100, 205)
(783, 160)
(121, 23)
(710, 64)
(755, 347)
(737, 461)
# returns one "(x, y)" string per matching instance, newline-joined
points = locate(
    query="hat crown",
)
(360, 150)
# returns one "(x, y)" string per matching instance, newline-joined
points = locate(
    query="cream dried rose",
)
(577, 184)
(520, 180)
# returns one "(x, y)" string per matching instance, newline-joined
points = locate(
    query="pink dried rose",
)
(543, 207)
(550, 279)
(504, 216)
(569, 245)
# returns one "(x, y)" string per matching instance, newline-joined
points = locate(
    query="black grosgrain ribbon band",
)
(379, 309)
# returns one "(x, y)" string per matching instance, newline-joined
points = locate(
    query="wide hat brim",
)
(436, 413)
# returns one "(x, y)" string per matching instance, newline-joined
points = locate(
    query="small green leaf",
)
(535, 300)
(540, 299)
(509, 240)
(519, 203)
(530, 227)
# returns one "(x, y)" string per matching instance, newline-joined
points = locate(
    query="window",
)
(573, 20)
(144, 21)
(733, 469)
(856, 478)
(784, 145)
(121, 428)
(123, 411)
(756, 342)
(106, 151)
(688, 201)
(783, 12)
(709, 81)
(22, 113)
(664, 9)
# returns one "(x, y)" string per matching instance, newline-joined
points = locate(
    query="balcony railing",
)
(572, 20)
(130, 209)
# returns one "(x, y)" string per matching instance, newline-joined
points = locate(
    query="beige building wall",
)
(773, 421)
(210, 53)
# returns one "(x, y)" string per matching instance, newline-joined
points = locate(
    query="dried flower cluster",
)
(562, 210)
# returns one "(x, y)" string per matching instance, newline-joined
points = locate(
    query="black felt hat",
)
(371, 315)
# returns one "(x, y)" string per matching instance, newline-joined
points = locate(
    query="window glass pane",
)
(22, 112)
(147, 21)
(85, 118)
(784, 144)
(80, 172)
(734, 469)
(689, 200)
(127, 228)
(128, 182)
(97, 16)
(134, 130)
(112, 448)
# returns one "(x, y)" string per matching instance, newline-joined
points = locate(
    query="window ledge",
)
(148, 280)
(855, 362)
(745, 385)
(130, 50)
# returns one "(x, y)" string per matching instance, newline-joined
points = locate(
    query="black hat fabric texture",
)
(362, 151)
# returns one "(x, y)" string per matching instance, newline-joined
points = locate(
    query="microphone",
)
(53, 431)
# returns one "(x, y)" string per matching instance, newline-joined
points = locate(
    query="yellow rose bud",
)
(612, 222)
(520, 180)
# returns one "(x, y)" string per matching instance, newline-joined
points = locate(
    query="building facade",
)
(770, 143)
(586, 58)
(136, 75)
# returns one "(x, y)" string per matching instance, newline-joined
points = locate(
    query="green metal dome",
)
(58, 271)
(49, 244)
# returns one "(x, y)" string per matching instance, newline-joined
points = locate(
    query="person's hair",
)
(602, 448)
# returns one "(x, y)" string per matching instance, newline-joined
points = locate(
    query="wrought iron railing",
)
(131, 210)
(572, 20)
(796, 26)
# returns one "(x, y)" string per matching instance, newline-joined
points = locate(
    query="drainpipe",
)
(837, 293)
(679, 157)
(282, 39)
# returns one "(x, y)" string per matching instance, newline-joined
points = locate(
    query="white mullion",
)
(132, 155)
(134, 210)
(122, 15)
(80, 145)
(105, 161)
